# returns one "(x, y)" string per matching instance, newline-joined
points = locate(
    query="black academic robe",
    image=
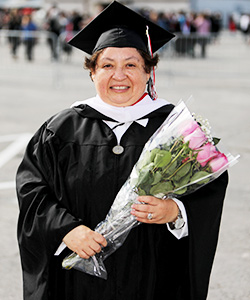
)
(70, 176)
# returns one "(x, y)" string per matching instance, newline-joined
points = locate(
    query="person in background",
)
(53, 26)
(202, 25)
(29, 38)
(231, 24)
(244, 25)
(15, 25)
(78, 160)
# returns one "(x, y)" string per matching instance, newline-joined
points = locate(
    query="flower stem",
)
(181, 166)
(173, 146)
(169, 165)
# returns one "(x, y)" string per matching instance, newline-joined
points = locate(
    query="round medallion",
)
(118, 149)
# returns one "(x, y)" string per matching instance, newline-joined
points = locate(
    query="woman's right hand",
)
(84, 241)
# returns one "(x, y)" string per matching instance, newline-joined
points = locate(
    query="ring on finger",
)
(150, 216)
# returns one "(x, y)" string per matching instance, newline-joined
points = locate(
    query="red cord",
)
(153, 90)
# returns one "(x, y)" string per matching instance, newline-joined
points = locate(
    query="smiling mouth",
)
(119, 88)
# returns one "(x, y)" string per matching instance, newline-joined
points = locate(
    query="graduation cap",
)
(119, 26)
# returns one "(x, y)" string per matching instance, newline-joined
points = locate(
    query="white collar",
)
(124, 114)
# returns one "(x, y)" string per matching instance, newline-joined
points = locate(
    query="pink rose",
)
(218, 162)
(188, 127)
(195, 139)
(206, 153)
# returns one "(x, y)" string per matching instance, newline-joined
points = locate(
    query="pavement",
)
(30, 92)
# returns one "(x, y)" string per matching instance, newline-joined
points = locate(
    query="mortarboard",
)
(119, 26)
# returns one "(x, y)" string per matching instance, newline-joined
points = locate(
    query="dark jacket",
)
(70, 176)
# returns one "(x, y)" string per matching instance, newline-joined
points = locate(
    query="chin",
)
(120, 102)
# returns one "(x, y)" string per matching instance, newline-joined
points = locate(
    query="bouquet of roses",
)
(179, 158)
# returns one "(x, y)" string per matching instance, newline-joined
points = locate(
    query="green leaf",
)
(170, 169)
(198, 176)
(156, 177)
(162, 158)
(181, 191)
(141, 192)
(183, 181)
(162, 188)
(153, 154)
(146, 187)
(144, 174)
(183, 170)
(216, 140)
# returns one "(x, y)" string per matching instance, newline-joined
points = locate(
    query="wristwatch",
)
(178, 223)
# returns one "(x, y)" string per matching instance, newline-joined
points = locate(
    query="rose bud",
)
(218, 162)
(188, 127)
(196, 138)
(206, 153)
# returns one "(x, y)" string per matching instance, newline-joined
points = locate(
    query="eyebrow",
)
(126, 59)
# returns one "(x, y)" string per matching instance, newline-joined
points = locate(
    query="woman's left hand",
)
(155, 210)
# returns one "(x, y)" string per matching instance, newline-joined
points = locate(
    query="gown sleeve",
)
(43, 219)
(204, 211)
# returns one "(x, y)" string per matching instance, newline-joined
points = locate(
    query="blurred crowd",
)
(58, 22)
(29, 21)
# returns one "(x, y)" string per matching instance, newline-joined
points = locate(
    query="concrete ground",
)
(30, 92)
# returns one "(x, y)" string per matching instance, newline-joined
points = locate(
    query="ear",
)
(92, 75)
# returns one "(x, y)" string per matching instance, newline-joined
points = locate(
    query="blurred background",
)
(208, 62)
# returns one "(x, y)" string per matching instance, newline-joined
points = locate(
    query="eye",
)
(131, 65)
(107, 66)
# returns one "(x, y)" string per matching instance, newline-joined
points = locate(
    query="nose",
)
(119, 74)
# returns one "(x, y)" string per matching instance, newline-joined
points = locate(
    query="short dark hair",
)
(149, 62)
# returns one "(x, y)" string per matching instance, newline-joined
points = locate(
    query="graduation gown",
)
(69, 176)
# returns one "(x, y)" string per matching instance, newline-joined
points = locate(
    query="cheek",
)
(139, 77)
(100, 81)
(144, 79)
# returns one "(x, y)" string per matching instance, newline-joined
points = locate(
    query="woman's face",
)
(119, 76)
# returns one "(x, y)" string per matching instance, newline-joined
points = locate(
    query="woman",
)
(78, 160)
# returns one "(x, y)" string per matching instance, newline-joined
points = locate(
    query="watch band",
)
(178, 223)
